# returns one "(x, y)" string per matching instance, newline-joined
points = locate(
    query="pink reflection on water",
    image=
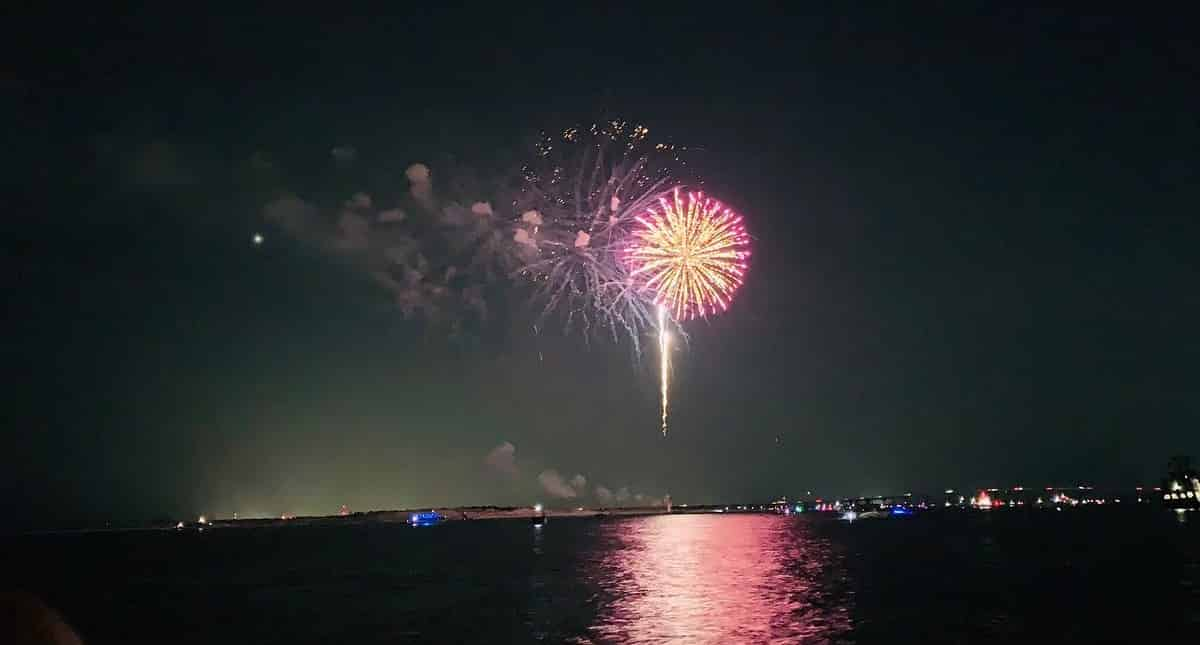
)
(720, 579)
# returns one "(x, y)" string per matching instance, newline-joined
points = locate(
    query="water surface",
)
(1081, 577)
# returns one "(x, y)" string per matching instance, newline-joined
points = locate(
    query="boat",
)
(432, 518)
(875, 513)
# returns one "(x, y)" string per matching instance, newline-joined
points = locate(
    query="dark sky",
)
(975, 258)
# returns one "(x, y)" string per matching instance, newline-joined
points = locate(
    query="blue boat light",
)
(425, 519)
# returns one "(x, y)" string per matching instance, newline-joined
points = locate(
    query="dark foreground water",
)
(1079, 577)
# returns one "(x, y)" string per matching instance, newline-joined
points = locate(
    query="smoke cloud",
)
(295, 216)
(392, 215)
(555, 485)
(503, 459)
(360, 201)
(354, 229)
(420, 184)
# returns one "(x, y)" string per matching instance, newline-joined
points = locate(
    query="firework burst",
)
(691, 253)
(579, 201)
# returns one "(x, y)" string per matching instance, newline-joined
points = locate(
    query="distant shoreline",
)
(450, 514)
(472, 513)
(402, 516)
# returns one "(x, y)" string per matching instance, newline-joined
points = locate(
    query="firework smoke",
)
(503, 459)
(554, 485)
(436, 254)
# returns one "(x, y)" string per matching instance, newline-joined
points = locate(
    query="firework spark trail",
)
(664, 347)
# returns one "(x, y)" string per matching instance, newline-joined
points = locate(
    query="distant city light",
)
(537, 508)
(257, 239)
(203, 520)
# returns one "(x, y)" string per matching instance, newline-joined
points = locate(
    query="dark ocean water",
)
(1077, 577)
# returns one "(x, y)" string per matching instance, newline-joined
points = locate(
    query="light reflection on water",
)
(718, 579)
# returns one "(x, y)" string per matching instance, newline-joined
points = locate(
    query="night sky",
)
(975, 259)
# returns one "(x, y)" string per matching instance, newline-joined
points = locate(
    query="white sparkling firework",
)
(586, 186)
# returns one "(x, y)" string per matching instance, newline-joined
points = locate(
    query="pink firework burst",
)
(691, 252)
